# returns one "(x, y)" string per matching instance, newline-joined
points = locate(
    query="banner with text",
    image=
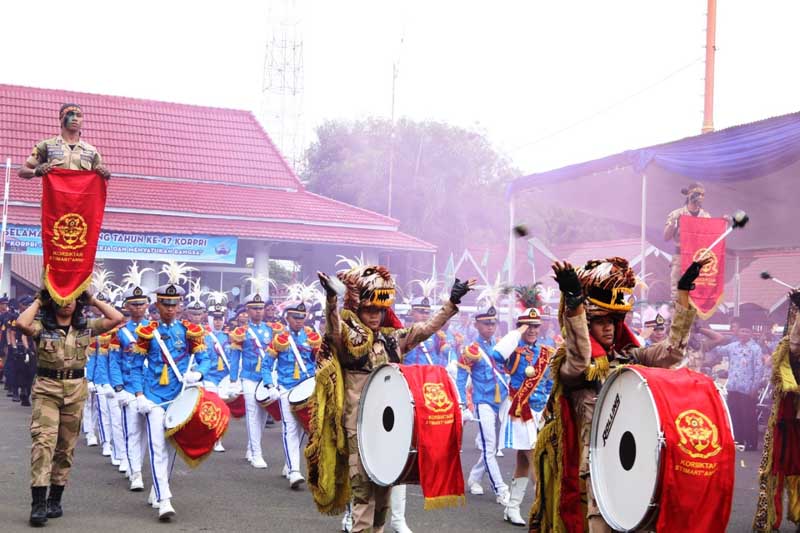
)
(142, 246)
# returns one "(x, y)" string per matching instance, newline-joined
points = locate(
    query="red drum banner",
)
(696, 234)
(73, 202)
(699, 459)
(438, 430)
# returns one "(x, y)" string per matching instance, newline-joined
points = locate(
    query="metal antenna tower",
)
(282, 87)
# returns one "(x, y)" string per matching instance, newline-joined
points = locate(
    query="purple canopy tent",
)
(755, 167)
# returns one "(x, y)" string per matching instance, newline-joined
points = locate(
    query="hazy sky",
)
(524, 72)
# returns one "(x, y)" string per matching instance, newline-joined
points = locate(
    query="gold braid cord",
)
(326, 452)
(769, 483)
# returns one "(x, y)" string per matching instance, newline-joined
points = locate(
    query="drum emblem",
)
(699, 437)
(436, 398)
(210, 415)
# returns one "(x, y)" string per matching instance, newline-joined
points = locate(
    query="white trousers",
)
(255, 416)
(117, 433)
(162, 455)
(103, 418)
(90, 415)
(487, 444)
(133, 425)
(292, 433)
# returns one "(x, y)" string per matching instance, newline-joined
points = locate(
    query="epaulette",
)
(146, 331)
(280, 342)
(314, 339)
(471, 354)
(193, 330)
(276, 327)
(238, 333)
(308, 329)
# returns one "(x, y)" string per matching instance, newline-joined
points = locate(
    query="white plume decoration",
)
(491, 293)
(306, 293)
(260, 283)
(133, 277)
(351, 262)
(427, 286)
(217, 297)
(101, 281)
(176, 272)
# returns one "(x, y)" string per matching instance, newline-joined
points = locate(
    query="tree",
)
(448, 182)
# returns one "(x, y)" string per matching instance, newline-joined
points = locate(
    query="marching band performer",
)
(294, 353)
(168, 346)
(426, 352)
(527, 363)
(484, 366)
(218, 346)
(62, 335)
(122, 360)
(595, 300)
(247, 356)
(780, 463)
(363, 336)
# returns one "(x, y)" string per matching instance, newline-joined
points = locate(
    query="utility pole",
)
(711, 49)
(391, 140)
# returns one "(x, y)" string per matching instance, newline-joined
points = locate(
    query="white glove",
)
(122, 398)
(273, 394)
(452, 368)
(235, 388)
(466, 415)
(92, 387)
(191, 377)
(108, 391)
(143, 405)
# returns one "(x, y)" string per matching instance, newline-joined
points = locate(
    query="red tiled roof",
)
(782, 264)
(27, 268)
(189, 169)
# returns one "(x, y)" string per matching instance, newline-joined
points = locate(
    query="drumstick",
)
(188, 368)
(740, 219)
(767, 275)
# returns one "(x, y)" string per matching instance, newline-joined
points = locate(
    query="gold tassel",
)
(258, 365)
(497, 393)
(220, 366)
(793, 498)
(296, 374)
(164, 376)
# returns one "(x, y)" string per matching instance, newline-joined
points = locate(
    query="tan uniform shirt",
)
(56, 151)
(675, 218)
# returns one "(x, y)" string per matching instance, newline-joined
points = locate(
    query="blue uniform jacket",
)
(424, 350)
(181, 339)
(245, 357)
(524, 356)
(122, 358)
(215, 375)
(486, 385)
(101, 374)
(289, 371)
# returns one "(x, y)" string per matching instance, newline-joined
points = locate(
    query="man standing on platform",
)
(67, 150)
(695, 195)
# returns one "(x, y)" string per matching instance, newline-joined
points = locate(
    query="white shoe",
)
(398, 509)
(499, 453)
(502, 497)
(285, 471)
(476, 489)
(165, 510)
(517, 493)
(137, 485)
(295, 480)
(248, 456)
(106, 449)
(116, 462)
(123, 467)
(347, 520)
(218, 446)
(91, 440)
(258, 462)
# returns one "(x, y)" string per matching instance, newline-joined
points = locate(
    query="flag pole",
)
(5, 222)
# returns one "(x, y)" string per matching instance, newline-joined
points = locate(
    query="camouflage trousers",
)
(370, 501)
(57, 407)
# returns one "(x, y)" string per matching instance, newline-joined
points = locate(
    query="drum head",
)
(302, 391)
(385, 425)
(625, 451)
(182, 408)
(261, 392)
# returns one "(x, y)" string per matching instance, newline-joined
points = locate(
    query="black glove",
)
(570, 286)
(794, 296)
(42, 169)
(325, 281)
(44, 296)
(460, 288)
(686, 283)
(84, 298)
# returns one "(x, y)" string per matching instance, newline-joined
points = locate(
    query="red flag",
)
(438, 432)
(696, 234)
(698, 461)
(73, 202)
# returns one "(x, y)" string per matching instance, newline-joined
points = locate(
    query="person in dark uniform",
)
(6, 317)
(22, 349)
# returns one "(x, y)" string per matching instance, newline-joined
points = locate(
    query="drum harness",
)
(297, 357)
(221, 351)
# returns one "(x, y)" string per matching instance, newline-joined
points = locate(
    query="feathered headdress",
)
(195, 290)
(426, 286)
(530, 295)
(217, 297)
(351, 262)
(308, 293)
(101, 282)
(489, 295)
(260, 283)
(133, 277)
(608, 285)
(176, 272)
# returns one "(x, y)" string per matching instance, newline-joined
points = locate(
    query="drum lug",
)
(662, 443)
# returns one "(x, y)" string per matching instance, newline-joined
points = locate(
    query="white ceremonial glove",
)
(235, 388)
(92, 387)
(452, 368)
(466, 415)
(108, 391)
(192, 376)
(273, 394)
(122, 398)
(143, 405)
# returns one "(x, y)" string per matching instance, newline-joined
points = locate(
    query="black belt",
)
(66, 373)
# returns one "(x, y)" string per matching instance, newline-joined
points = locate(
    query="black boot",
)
(54, 501)
(25, 398)
(38, 506)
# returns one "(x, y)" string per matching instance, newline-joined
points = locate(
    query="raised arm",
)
(576, 326)
(410, 337)
(111, 317)
(794, 334)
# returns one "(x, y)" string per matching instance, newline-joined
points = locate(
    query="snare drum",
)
(272, 407)
(194, 421)
(387, 440)
(298, 400)
(630, 440)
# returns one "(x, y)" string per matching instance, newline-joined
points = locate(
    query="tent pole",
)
(711, 49)
(511, 256)
(642, 241)
(738, 278)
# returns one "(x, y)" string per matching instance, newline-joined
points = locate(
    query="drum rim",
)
(411, 450)
(298, 402)
(170, 430)
(262, 403)
(652, 510)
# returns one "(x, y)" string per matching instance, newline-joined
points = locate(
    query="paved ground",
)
(226, 494)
